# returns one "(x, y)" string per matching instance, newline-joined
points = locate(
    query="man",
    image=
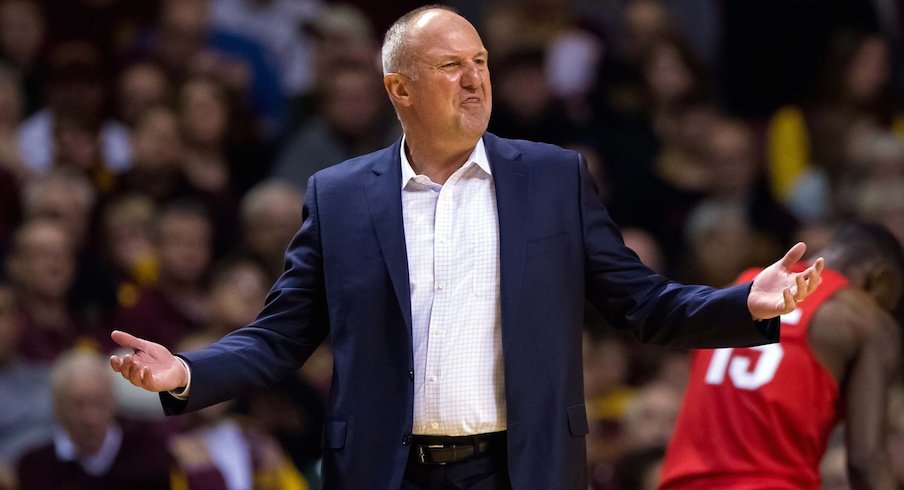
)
(90, 448)
(450, 272)
(761, 417)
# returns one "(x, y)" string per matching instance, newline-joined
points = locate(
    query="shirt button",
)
(411, 374)
(440, 285)
(434, 425)
(432, 379)
(406, 439)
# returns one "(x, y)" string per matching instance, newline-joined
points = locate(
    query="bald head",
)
(399, 43)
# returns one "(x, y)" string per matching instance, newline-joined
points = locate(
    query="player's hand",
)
(150, 366)
(776, 290)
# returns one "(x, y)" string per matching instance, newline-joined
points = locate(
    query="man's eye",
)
(449, 65)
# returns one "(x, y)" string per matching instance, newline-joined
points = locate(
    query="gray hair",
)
(396, 55)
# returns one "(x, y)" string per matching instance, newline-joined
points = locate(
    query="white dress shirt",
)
(452, 238)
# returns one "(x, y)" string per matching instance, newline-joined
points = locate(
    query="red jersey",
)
(757, 417)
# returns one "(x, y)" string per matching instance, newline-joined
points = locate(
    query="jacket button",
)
(411, 374)
(406, 439)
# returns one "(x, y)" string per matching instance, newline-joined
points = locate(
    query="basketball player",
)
(760, 417)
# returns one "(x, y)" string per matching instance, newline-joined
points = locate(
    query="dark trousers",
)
(487, 471)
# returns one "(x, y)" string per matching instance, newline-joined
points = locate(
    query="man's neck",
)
(436, 162)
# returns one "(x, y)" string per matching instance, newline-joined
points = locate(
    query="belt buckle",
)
(422, 456)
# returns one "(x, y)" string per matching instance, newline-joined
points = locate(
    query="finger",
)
(813, 280)
(145, 375)
(135, 376)
(116, 363)
(790, 304)
(128, 340)
(794, 255)
(127, 365)
(801, 293)
(820, 264)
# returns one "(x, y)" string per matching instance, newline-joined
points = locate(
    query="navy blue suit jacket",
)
(347, 279)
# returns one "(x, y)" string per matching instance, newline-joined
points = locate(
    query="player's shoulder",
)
(853, 313)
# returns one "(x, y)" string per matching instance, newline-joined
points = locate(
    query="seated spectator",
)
(178, 305)
(75, 89)
(127, 228)
(141, 86)
(41, 266)
(352, 120)
(26, 417)
(238, 288)
(90, 448)
(270, 215)
(186, 44)
(23, 35)
(66, 197)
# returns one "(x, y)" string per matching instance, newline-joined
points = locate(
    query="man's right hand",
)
(150, 366)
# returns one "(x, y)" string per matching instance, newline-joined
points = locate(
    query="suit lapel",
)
(512, 193)
(384, 197)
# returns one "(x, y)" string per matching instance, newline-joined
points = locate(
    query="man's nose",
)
(471, 77)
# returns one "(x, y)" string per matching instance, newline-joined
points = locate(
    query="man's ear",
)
(397, 87)
(880, 281)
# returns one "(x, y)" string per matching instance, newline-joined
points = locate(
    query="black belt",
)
(441, 450)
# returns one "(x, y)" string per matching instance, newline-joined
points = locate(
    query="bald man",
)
(450, 272)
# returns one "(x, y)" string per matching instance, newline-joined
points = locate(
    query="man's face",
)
(85, 410)
(450, 94)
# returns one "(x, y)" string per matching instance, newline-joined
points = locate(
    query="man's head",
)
(65, 196)
(270, 214)
(83, 399)
(435, 72)
(41, 262)
(184, 241)
(871, 258)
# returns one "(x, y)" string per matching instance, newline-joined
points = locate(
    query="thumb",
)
(794, 255)
(128, 341)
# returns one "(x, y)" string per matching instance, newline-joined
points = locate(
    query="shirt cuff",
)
(182, 394)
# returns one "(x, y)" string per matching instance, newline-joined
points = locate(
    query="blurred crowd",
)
(154, 156)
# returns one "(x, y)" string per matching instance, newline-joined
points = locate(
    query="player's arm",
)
(870, 373)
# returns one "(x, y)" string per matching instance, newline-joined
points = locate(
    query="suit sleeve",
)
(659, 310)
(291, 325)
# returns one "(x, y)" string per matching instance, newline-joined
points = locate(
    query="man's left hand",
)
(776, 290)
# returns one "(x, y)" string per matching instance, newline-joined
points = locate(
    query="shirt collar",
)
(96, 464)
(478, 156)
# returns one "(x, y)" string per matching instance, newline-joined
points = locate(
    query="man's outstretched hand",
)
(776, 290)
(150, 366)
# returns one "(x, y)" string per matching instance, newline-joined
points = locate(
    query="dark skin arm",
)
(859, 344)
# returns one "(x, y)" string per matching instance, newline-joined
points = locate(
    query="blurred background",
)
(154, 156)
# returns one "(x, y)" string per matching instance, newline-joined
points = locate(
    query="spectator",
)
(90, 448)
(238, 287)
(68, 198)
(649, 417)
(41, 267)
(275, 25)
(156, 169)
(341, 34)
(22, 42)
(526, 106)
(353, 120)
(808, 144)
(874, 182)
(129, 245)
(186, 44)
(142, 85)
(75, 89)
(270, 215)
(178, 305)
(26, 417)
